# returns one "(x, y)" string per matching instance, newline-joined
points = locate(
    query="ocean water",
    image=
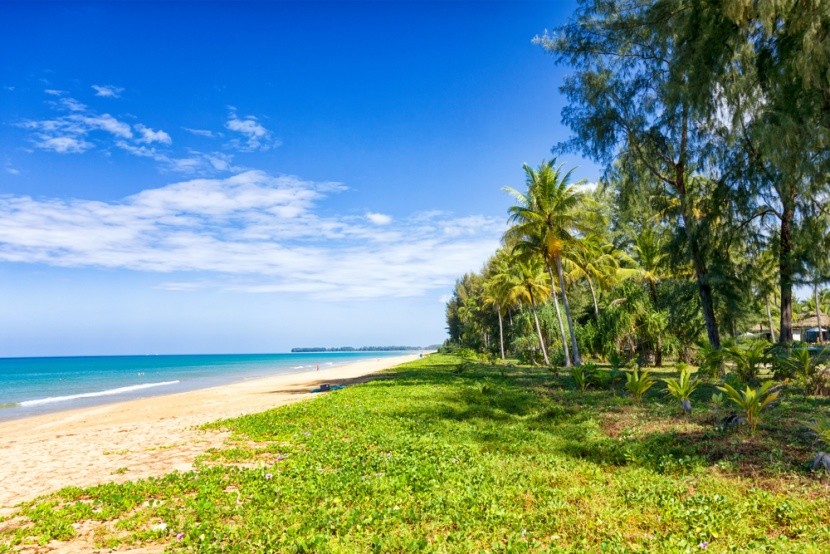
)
(31, 386)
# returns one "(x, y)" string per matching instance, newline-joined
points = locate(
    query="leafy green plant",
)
(710, 360)
(751, 401)
(810, 370)
(615, 360)
(638, 384)
(748, 359)
(584, 375)
(682, 388)
(392, 466)
(821, 427)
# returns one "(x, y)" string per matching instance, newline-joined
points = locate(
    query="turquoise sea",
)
(31, 386)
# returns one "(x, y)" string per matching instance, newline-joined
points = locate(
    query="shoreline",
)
(119, 382)
(152, 436)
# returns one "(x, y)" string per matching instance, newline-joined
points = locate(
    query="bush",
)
(682, 388)
(638, 384)
(709, 360)
(752, 401)
(748, 359)
(811, 371)
(584, 375)
(821, 427)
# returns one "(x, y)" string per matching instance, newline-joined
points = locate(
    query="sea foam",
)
(110, 392)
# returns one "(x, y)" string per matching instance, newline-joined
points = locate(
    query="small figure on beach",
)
(318, 367)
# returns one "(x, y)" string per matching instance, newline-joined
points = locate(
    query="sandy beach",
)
(145, 437)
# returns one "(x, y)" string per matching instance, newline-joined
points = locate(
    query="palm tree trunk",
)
(594, 298)
(574, 346)
(769, 321)
(818, 314)
(559, 318)
(501, 335)
(539, 332)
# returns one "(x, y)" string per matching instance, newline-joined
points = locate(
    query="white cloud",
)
(256, 136)
(200, 132)
(104, 122)
(107, 91)
(378, 219)
(195, 163)
(62, 145)
(221, 162)
(249, 232)
(54, 92)
(147, 135)
(72, 105)
(11, 170)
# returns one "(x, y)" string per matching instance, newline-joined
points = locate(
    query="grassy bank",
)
(430, 458)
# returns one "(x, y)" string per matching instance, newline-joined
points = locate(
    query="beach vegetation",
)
(499, 458)
(682, 387)
(752, 402)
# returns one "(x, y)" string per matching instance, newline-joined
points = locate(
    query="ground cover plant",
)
(502, 458)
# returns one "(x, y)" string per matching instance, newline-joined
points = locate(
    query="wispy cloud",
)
(62, 145)
(256, 137)
(250, 232)
(147, 135)
(194, 162)
(108, 91)
(72, 105)
(201, 132)
(77, 128)
(54, 92)
(104, 122)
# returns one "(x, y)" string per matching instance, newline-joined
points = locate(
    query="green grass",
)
(490, 459)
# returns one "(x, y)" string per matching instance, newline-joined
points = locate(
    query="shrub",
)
(682, 388)
(748, 359)
(616, 360)
(821, 427)
(638, 384)
(752, 401)
(584, 375)
(810, 370)
(709, 360)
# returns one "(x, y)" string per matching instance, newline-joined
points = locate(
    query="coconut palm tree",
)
(765, 277)
(550, 219)
(528, 285)
(497, 291)
(650, 250)
(599, 263)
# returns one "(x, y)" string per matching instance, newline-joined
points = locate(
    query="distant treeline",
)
(363, 348)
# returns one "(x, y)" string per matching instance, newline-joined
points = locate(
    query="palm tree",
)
(765, 276)
(497, 291)
(528, 284)
(598, 262)
(651, 254)
(549, 220)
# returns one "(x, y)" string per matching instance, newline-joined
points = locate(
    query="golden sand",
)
(145, 437)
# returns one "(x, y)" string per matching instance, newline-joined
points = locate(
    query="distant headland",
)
(363, 348)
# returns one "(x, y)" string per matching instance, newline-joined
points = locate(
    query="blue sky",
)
(249, 177)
